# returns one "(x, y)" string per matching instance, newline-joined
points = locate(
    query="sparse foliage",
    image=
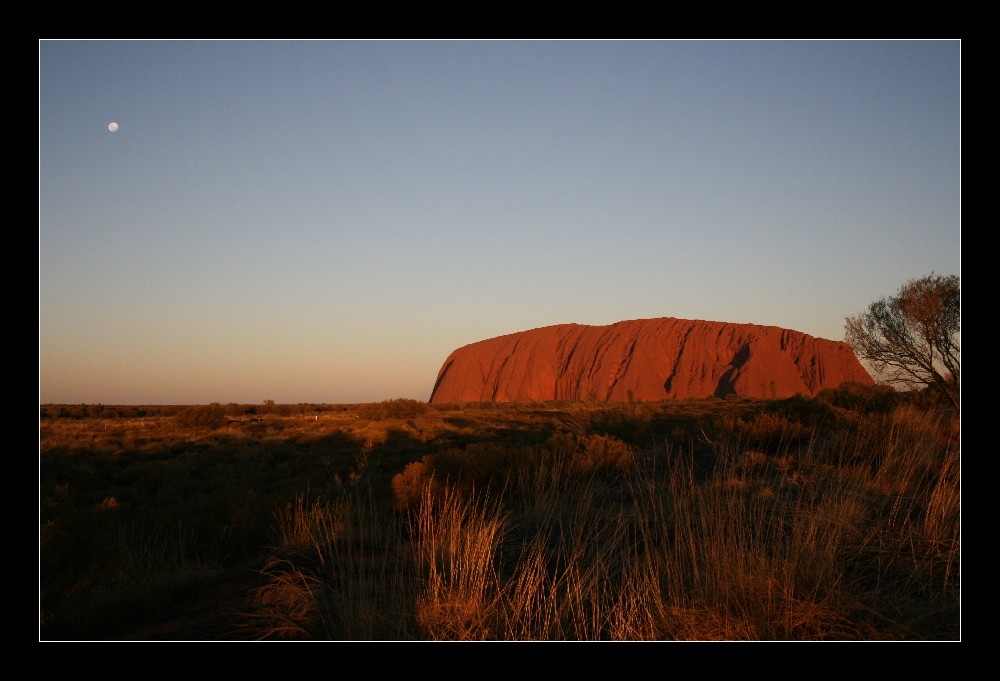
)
(400, 408)
(208, 416)
(913, 338)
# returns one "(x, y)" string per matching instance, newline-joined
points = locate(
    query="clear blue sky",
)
(326, 221)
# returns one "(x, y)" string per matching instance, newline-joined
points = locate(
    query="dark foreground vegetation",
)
(827, 518)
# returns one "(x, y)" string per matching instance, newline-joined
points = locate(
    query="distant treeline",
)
(105, 411)
(849, 395)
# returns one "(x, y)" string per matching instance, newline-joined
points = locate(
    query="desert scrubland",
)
(833, 517)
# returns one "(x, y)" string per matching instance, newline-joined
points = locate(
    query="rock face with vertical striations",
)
(646, 359)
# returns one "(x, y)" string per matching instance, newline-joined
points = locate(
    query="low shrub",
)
(591, 453)
(770, 432)
(478, 466)
(801, 409)
(860, 398)
(204, 416)
(392, 409)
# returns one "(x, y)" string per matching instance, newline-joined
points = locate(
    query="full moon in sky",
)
(112, 127)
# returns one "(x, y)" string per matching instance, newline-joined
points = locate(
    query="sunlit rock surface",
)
(645, 359)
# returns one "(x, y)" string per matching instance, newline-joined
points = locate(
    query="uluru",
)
(646, 359)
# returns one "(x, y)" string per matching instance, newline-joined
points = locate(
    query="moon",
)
(112, 127)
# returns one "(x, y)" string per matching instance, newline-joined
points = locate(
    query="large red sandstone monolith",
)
(646, 359)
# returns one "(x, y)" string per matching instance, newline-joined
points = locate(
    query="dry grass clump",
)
(456, 543)
(341, 570)
(286, 606)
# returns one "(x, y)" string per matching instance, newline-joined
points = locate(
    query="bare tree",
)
(913, 339)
